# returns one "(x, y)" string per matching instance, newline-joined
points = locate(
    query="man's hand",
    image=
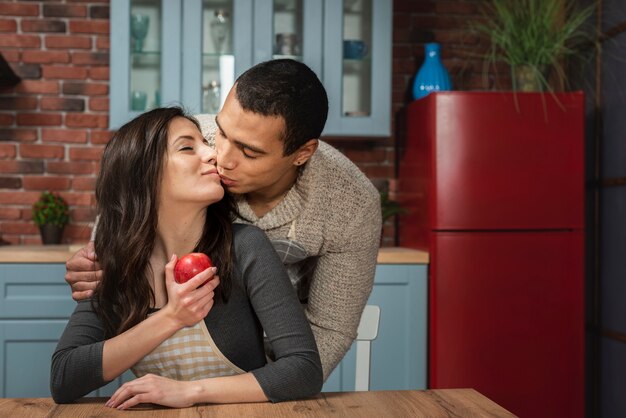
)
(83, 273)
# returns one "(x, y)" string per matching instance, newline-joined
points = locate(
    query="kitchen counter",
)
(37, 253)
(35, 304)
(61, 253)
(398, 255)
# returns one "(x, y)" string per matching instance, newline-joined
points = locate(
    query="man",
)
(320, 211)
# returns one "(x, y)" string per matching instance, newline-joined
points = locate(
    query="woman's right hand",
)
(188, 303)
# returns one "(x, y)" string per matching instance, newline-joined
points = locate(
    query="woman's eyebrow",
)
(183, 137)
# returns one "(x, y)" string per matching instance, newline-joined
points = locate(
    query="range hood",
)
(7, 76)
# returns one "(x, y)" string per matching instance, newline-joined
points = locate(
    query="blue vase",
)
(432, 76)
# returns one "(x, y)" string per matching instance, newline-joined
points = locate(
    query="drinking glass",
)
(211, 96)
(139, 29)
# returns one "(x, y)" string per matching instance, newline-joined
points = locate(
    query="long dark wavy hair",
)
(127, 195)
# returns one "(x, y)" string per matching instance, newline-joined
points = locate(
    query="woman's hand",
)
(152, 389)
(188, 303)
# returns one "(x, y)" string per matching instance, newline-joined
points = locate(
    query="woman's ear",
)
(305, 152)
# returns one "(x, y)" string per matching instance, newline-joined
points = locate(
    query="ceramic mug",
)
(354, 49)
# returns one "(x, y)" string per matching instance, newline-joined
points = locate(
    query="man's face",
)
(250, 151)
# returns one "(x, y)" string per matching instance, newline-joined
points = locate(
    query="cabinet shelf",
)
(357, 114)
(356, 66)
(215, 55)
(146, 59)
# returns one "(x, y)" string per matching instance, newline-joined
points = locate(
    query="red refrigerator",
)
(494, 184)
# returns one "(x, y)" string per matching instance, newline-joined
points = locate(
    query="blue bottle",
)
(432, 76)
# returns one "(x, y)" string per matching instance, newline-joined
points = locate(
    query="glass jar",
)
(211, 95)
(219, 29)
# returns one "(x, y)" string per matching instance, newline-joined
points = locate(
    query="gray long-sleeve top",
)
(262, 298)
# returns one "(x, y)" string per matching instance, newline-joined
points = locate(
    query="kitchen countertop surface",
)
(61, 253)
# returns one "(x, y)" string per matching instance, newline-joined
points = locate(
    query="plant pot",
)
(51, 234)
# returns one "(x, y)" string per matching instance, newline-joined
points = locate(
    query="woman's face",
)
(189, 171)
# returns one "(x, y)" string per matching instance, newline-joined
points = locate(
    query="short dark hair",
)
(290, 89)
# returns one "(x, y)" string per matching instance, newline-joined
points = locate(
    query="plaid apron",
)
(189, 354)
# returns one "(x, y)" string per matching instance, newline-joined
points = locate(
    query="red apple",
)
(190, 265)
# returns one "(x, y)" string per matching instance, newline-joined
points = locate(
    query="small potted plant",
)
(535, 38)
(389, 208)
(51, 214)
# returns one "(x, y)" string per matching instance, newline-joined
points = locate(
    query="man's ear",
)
(305, 152)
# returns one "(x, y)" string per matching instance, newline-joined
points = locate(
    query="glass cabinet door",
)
(287, 29)
(218, 60)
(144, 57)
(215, 45)
(357, 66)
(189, 55)
(357, 63)
(294, 31)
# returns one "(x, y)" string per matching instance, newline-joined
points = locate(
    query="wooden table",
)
(445, 403)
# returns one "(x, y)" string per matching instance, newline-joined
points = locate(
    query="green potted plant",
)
(535, 38)
(388, 209)
(51, 214)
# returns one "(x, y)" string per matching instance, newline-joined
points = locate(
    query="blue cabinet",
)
(398, 354)
(36, 303)
(34, 306)
(178, 62)
(25, 350)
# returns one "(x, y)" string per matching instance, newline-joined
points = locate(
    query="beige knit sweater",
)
(327, 230)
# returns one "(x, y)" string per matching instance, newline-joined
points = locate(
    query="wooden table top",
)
(444, 403)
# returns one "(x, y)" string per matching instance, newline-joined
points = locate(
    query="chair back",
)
(367, 331)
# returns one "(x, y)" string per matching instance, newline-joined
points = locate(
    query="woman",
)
(158, 195)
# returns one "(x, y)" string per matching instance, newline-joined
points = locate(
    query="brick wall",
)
(53, 124)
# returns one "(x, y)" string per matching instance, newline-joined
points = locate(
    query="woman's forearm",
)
(228, 389)
(187, 304)
(123, 351)
(182, 394)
